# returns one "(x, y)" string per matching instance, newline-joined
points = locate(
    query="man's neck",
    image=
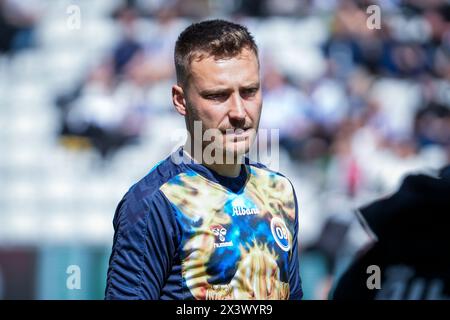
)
(231, 170)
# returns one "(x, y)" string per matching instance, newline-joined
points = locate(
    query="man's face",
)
(225, 94)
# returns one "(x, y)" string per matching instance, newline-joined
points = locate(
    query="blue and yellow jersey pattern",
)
(184, 232)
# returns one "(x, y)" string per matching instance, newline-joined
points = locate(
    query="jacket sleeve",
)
(145, 242)
(295, 282)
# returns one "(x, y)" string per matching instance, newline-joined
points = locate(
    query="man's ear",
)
(178, 99)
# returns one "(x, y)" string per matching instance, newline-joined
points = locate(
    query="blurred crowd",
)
(341, 98)
(357, 107)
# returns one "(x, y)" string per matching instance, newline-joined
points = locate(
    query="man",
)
(410, 258)
(207, 225)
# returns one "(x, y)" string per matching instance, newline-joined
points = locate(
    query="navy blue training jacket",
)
(185, 232)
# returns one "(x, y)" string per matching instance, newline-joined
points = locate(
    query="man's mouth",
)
(237, 135)
(236, 131)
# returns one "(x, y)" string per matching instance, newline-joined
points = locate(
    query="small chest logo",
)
(280, 233)
(220, 234)
(243, 211)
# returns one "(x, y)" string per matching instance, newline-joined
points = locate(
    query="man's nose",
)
(237, 109)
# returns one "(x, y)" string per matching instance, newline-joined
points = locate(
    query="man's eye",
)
(249, 92)
(216, 96)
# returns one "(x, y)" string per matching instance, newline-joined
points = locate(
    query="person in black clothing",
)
(412, 250)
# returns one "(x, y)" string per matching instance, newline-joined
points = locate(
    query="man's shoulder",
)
(145, 190)
(260, 169)
(274, 186)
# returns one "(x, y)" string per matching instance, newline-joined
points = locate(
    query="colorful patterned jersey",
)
(185, 232)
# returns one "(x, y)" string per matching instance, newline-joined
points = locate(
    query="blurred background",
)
(85, 111)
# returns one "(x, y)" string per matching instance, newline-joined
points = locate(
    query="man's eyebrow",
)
(252, 85)
(206, 92)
